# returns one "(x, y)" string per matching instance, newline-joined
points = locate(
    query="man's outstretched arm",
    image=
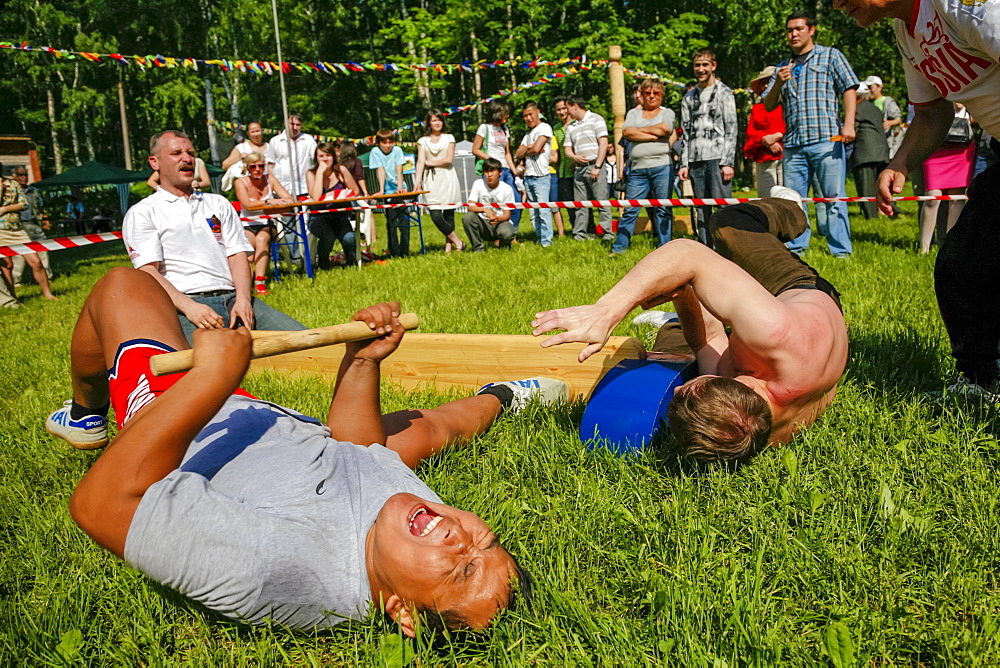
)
(355, 413)
(926, 133)
(153, 443)
(726, 291)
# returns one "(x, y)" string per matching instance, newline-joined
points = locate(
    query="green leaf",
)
(887, 505)
(791, 461)
(839, 645)
(69, 645)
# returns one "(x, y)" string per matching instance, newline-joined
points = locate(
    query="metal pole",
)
(291, 145)
(124, 117)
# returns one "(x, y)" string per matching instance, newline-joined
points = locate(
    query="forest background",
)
(70, 106)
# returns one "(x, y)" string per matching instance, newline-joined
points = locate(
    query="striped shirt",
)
(810, 99)
(582, 135)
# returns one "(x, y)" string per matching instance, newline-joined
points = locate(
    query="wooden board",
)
(469, 361)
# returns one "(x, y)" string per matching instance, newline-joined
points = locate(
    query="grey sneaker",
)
(654, 318)
(965, 389)
(88, 433)
(781, 192)
(544, 390)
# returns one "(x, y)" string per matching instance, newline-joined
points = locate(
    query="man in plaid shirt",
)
(808, 86)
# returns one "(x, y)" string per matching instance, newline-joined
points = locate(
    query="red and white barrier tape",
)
(87, 239)
(58, 244)
(591, 204)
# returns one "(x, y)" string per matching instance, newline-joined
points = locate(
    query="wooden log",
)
(469, 361)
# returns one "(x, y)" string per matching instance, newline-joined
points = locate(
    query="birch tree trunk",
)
(477, 84)
(56, 149)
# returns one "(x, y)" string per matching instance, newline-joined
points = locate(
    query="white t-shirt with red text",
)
(951, 50)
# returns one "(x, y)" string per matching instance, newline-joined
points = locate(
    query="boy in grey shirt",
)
(258, 512)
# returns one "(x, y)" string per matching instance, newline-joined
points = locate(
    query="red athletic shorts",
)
(133, 385)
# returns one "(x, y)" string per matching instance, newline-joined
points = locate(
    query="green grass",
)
(872, 538)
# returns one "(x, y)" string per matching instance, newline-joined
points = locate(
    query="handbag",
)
(960, 132)
(486, 150)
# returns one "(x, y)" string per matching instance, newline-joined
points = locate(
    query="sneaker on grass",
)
(516, 394)
(965, 389)
(88, 433)
(781, 192)
(654, 318)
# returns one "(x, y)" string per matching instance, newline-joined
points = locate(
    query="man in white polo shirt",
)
(535, 152)
(192, 243)
(587, 147)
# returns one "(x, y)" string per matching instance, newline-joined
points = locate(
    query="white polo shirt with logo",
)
(950, 49)
(192, 238)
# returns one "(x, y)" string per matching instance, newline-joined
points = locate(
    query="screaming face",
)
(428, 556)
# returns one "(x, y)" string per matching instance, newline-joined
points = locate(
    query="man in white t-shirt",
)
(193, 244)
(486, 223)
(587, 146)
(950, 51)
(535, 152)
(279, 160)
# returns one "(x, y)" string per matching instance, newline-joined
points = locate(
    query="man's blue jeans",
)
(266, 318)
(646, 183)
(537, 189)
(825, 160)
(508, 178)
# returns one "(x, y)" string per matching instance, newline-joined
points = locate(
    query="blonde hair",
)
(252, 157)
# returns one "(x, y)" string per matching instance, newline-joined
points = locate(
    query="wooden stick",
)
(268, 343)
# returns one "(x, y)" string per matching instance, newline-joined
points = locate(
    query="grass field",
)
(872, 539)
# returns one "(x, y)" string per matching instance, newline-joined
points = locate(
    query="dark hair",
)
(802, 14)
(492, 164)
(518, 596)
(326, 147)
(529, 104)
(704, 52)
(719, 419)
(384, 134)
(295, 115)
(577, 101)
(431, 114)
(154, 141)
(496, 110)
(348, 154)
(560, 98)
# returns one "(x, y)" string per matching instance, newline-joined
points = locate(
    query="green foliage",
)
(870, 540)
(655, 36)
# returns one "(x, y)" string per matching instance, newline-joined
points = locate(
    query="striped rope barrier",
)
(58, 244)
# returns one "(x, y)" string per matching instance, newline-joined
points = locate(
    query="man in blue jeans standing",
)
(536, 153)
(708, 118)
(808, 86)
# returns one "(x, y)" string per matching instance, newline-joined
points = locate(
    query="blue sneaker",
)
(88, 433)
(545, 390)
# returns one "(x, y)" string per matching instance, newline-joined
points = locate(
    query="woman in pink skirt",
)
(947, 172)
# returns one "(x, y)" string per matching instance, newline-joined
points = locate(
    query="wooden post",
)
(617, 77)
